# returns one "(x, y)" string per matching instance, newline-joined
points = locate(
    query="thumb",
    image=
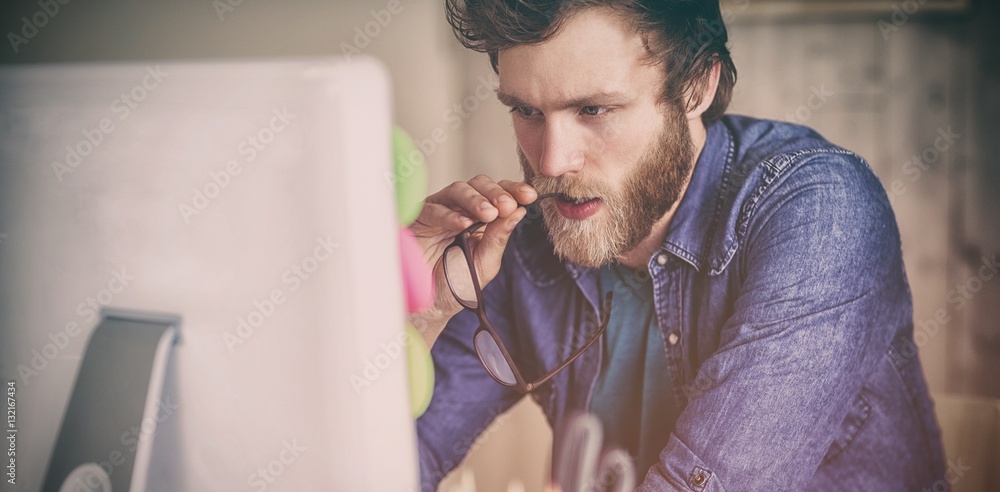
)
(491, 245)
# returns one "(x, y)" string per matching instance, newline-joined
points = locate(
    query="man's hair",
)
(685, 36)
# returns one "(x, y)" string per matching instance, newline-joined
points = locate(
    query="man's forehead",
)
(594, 53)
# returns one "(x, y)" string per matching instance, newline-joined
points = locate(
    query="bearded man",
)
(726, 294)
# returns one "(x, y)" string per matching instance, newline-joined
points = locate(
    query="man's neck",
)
(639, 256)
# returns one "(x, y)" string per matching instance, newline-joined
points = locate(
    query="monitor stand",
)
(106, 437)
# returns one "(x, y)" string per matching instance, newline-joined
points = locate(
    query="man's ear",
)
(702, 92)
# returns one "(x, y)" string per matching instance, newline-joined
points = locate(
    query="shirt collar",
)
(690, 233)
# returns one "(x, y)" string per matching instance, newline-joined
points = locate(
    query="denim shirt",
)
(786, 317)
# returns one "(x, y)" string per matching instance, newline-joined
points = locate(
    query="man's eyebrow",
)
(603, 98)
(510, 100)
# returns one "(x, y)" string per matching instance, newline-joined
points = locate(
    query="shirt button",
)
(661, 259)
(673, 338)
(698, 480)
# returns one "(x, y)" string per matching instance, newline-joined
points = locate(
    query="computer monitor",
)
(249, 198)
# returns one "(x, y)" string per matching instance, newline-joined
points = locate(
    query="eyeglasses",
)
(460, 273)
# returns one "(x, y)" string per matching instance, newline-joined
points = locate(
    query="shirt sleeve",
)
(822, 295)
(466, 399)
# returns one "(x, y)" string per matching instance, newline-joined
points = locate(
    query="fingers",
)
(499, 197)
(490, 248)
(463, 197)
(522, 192)
(437, 215)
(483, 199)
(454, 209)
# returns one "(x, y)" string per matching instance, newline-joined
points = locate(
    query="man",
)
(759, 335)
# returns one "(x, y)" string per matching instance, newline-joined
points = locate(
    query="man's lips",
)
(578, 208)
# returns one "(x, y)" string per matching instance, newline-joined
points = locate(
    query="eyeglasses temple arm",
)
(605, 316)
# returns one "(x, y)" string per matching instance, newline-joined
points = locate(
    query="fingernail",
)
(503, 199)
(484, 205)
(524, 189)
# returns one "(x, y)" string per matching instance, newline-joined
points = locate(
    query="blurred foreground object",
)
(581, 465)
(251, 199)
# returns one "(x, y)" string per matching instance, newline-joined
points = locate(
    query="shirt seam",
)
(775, 167)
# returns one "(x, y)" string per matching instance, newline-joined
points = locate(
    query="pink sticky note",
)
(418, 282)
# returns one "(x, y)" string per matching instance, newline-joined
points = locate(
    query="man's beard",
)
(647, 193)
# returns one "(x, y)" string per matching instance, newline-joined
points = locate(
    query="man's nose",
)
(561, 150)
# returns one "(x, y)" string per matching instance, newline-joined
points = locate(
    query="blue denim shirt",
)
(787, 322)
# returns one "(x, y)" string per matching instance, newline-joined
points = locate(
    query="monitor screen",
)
(251, 199)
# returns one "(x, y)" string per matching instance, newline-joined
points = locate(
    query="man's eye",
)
(525, 111)
(593, 110)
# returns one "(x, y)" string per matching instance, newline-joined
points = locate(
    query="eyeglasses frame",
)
(521, 384)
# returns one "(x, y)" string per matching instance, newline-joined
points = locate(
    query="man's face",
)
(589, 124)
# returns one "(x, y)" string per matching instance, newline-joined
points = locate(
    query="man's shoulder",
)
(773, 163)
(769, 155)
(758, 141)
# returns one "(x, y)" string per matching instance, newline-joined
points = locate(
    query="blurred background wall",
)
(914, 91)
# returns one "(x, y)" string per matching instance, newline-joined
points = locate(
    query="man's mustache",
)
(570, 188)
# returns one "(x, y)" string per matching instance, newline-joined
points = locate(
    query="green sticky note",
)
(409, 175)
(421, 370)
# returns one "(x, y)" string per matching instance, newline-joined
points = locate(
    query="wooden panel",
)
(797, 9)
(977, 209)
(822, 76)
(491, 141)
(970, 431)
(918, 62)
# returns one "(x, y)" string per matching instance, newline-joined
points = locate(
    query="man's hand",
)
(449, 212)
